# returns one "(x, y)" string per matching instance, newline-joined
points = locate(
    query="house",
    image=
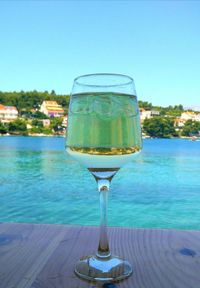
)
(144, 114)
(8, 113)
(46, 123)
(190, 115)
(179, 122)
(51, 109)
(155, 113)
(65, 121)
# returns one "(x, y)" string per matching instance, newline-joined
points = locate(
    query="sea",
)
(40, 183)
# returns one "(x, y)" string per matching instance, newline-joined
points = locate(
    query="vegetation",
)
(172, 111)
(25, 101)
(161, 127)
(3, 128)
(28, 104)
(17, 127)
(40, 130)
(191, 128)
(39, 115)
(145, 105)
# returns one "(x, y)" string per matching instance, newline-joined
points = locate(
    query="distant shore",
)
(33, 135)
(192, 138)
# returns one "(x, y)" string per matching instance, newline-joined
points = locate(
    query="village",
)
(50, 119)
(49, 111)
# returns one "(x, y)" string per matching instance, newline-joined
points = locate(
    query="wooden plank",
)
(24, 249)
(161, 258)
(44, 256)
(59, 270)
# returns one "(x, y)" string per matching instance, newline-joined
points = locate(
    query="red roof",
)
(2, 107)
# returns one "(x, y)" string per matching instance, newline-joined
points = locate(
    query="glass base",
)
(99, 269)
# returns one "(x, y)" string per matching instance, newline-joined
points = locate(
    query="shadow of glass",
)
(105, 285)
(109, 285)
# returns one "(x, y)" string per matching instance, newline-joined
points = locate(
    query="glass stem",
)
(103, 249)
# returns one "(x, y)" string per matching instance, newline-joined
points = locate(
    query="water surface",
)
(39, 183)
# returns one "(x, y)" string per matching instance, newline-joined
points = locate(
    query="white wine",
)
(103, 120)
(101, 165)
(103, 134)
(103, 129)
(102, 160)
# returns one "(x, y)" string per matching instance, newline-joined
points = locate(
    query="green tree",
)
(144, 104)
(39, 115)
(39, 130)
(56, 124)
(191, 128)
(18, 127)
(36, 122)
(53, 92)
(3, 128)
(31, 99)
(36, 129)
(160, 127)
(179, 107)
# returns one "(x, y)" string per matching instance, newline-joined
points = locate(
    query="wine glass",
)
(103, 134)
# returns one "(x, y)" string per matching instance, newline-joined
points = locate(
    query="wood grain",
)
(44, 256)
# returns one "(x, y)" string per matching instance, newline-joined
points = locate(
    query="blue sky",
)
(44, 45)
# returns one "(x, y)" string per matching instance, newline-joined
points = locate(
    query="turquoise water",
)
(39, 183)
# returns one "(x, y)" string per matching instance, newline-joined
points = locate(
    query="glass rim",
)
(129, 80)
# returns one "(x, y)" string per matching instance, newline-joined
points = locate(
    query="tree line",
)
(161, 126)
(19, 127)
(32, 99)
(170, 110)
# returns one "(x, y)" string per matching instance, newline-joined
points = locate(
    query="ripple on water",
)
(39, 183)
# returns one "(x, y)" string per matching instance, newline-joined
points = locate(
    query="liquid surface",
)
(104, 120)
(40, 183)
(102, 158)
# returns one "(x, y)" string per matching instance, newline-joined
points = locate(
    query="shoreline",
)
(31, 135)
(54, 135)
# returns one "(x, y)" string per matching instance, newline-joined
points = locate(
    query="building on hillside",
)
(144, 114)
(65, 121)
(190, 115)
(8, 113)
(179, 122)
(51, 109)
(46, 123)
(29, 126)
(155, 113)
(197, 117)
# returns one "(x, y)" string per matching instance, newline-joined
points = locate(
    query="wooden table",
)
(43, 256)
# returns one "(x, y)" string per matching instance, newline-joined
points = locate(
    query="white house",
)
(65, 121)
(51, 109)
(179, 122)
(8, 113)
(190, 116)
(46, 123)
(144, 114)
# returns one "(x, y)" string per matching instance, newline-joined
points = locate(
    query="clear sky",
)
(44, 45)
